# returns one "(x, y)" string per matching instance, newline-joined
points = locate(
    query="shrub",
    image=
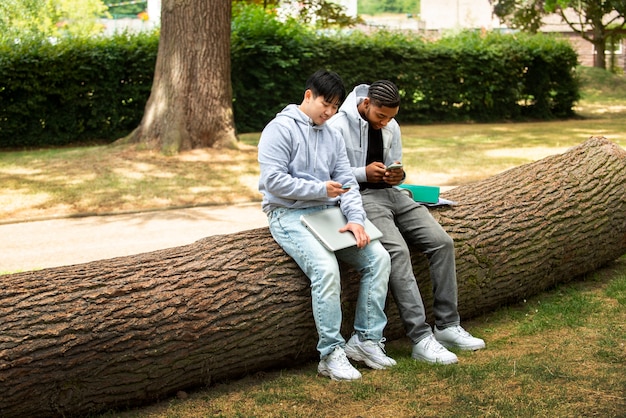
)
(78, 89)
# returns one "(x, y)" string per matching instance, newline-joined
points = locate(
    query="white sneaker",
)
(457, 337)
(337, 367)
(430, 351)
(370, 352)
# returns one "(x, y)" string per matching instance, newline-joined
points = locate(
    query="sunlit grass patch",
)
(109, 179)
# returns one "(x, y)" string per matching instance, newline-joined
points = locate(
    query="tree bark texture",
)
(190, 104)
(129, 330)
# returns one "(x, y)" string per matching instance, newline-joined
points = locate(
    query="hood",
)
(349, 106)
(292, 111)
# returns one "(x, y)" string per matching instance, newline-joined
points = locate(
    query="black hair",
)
(327, 84)
(384, 93)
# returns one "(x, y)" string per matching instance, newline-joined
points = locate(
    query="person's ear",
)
(307, 95)
(365, 103)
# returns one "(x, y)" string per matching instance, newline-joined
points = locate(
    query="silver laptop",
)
(325, 225)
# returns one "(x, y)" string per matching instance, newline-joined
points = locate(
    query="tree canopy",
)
(319, 13)
(595, 21)
(389, 6)
(51, 18)
(122, 8)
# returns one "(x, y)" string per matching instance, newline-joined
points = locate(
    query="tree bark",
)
(129, 330)
(190, 104)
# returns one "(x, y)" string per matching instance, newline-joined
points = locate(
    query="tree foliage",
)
(50, 18)
(130, 8)
(323, 13)
(372, 7)
(596, 21)
(318, 13)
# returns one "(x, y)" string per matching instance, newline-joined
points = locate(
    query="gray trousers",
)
(402, 220)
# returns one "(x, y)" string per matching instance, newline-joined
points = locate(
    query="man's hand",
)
(394, 176)
(333, 189)
(375, 172)
(362, 239)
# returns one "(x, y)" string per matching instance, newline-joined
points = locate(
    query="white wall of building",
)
(457, 14)
(154, 12)
(350, 6)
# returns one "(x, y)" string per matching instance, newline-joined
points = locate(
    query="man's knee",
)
(447, 241)
(381, 256)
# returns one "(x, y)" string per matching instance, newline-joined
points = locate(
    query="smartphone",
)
(394, 166)
(346, 186)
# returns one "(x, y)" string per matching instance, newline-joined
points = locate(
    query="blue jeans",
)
(322, 268)
(404, 221)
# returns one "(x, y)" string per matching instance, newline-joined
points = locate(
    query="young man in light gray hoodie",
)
(373, 142)
(303, 167)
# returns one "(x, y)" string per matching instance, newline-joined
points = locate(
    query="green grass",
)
(601, 86)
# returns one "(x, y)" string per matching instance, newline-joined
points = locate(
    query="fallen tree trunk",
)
(129, 330)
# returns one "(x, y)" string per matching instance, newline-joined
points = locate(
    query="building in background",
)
(439, 16)
(446, 15)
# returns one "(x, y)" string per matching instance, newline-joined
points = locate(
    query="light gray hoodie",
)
(297, 158)
(354, 130)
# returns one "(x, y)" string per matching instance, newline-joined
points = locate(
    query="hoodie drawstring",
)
(308, 135)
(317, 132)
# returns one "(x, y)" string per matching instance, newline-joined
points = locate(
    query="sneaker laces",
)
(432, 344)
(381, 345)
(459, 329)
(340, 357)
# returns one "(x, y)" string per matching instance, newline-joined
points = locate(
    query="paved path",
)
(60, 242)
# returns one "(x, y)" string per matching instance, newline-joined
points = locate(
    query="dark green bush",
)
(82, 90)
(76, 90)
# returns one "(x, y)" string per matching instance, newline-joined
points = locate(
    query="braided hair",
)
(384, 93)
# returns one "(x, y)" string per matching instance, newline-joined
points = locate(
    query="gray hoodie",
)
(297, 158)
(354, 130)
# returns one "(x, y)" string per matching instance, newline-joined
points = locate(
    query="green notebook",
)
(425, 194)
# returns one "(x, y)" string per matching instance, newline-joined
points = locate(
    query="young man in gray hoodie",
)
(373, 142)
(303, 167)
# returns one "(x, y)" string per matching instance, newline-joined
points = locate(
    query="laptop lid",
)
(325, 225)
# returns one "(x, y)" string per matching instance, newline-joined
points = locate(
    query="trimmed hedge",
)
(96, 89)
(77, 90)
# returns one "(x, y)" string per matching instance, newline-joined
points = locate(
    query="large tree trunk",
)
(129, 330)
(190, 105)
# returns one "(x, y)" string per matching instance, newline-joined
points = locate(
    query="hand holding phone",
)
(394, 166)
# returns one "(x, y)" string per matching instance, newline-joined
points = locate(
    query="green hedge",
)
(74, 91)
(466, 77)
(96, 89)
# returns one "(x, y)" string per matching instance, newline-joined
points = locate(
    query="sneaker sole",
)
(442, 362)
(357, 356)
(326, 372)
(462, 347)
